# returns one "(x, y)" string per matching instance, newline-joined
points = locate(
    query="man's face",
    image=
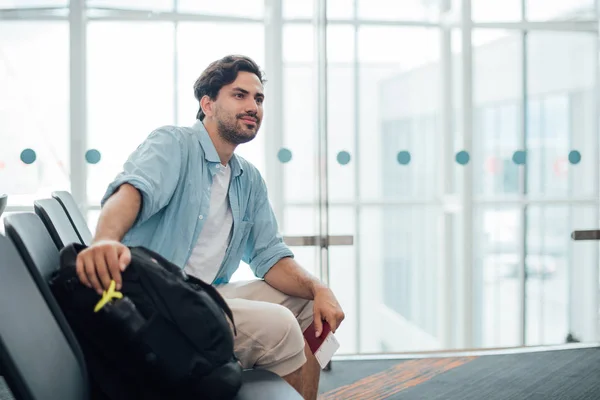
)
(238, 108)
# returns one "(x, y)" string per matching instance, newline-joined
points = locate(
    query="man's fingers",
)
(334, 318)
(318, 323)
(338, 318)
(102, 263)
(327, 308)
(102, 269)
(333, 324)
(90, 271)
(80, 268)
(112, 261)
(124, 258)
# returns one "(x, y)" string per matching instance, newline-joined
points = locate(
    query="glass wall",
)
(34, 108)
(462, 144)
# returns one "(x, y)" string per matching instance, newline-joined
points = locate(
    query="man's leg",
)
(269, 337)
(295, 379)
(302, 310)
(311, 374)
(306, 379)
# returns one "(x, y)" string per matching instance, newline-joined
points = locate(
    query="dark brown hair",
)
(220, 73)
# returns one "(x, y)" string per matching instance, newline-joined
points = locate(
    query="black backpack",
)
(166, 338)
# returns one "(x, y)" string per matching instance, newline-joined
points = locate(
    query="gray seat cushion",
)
(262, 384)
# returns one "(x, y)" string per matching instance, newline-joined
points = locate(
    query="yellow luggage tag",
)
(107, 296)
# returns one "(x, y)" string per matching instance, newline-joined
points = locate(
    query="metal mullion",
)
(585, 26)
(466, 303)
(596, 131)
(445, 187)
(124, 15)
(275, 106)
(116, 14)
(78, 101)
(576, 26)
(32, 13)
(32, 9)
(524, 189)
(539, 201)
(366, 22)
(322, 153)
(357, 187)
(40, 17)
(175, 67)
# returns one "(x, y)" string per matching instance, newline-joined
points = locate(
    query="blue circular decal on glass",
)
(93, 156)
(343, 157)
(519, 157)
(28, 156)
(574, 157)
(463, 157)
(284, 155)
(403, 157)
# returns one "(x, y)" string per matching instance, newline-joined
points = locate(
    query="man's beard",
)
(230, 131)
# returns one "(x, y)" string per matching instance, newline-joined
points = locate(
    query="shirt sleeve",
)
(154, 169)
(265, 246)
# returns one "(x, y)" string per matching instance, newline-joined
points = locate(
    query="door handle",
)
(332, 240)
(593, 234)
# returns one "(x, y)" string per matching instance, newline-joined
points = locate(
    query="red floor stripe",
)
(396, 379)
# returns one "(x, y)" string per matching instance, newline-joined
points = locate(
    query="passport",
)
(324, 346)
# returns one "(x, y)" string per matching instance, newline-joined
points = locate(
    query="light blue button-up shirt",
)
(173, 170)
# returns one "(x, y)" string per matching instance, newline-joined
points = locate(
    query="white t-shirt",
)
(215, 235)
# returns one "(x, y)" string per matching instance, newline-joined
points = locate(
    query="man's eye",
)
(239, 95)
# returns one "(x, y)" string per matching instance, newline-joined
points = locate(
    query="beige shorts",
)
(269, 326)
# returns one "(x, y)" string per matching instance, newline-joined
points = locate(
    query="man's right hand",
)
(102, 262)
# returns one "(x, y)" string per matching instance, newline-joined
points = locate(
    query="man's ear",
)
(207, 105)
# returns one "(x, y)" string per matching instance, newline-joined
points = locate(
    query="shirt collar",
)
(210, 152)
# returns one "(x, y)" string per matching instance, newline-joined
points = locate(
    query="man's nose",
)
(252, 107)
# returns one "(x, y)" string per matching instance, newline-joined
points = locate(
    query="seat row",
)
(39, 354)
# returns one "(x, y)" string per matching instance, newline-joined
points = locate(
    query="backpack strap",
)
(212, 292)
(192, 281)
(68, 254)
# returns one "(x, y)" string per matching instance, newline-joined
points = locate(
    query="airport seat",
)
(34, 244)
(262, 384)
(3, 201)
(38, 361)
(75, 215)
(41, 258)
(56, 221)
(40, 254)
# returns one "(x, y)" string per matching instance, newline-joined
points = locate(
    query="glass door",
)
(353, 175)
(298, 145)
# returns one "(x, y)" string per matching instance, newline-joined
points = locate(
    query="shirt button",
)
(218, 166)
(201, 217)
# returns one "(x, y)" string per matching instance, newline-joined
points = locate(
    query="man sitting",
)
(185, 194)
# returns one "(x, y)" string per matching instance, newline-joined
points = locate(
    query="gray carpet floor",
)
(554, 375)
(346, 372)
(5, 393)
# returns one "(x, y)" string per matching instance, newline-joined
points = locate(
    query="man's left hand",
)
(326, 308)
